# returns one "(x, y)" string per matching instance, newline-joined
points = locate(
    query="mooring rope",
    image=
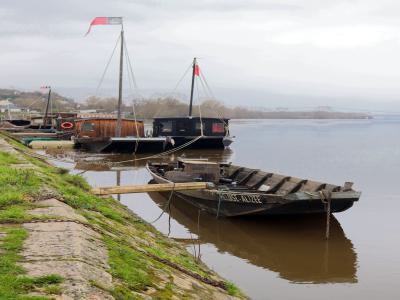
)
(162, 153)
(326, 200)
(219, 204)
(166, 205)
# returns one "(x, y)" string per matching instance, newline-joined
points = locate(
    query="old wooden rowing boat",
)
(236, 191)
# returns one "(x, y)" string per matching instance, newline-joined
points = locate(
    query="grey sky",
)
(261, 53)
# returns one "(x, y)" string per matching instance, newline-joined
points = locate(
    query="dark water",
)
(289, 258)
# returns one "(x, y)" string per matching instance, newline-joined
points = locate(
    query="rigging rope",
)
(131, 77)
(207, 87)
(198, 103)
(170, 93)
(107, 65)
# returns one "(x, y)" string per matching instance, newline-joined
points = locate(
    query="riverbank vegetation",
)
(142, 261)
(151, 107)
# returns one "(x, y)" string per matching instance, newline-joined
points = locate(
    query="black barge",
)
(213, 132)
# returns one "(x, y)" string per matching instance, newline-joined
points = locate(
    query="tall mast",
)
(191, 90)
(47, 108)
(121, 63)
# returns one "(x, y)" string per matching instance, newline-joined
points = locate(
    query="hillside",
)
(36, 100)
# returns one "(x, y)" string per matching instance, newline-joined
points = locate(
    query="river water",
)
(288, 258)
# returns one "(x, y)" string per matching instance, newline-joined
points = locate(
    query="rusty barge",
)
(98, 135)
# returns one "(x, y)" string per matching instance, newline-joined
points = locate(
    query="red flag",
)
(196, 70)
(105, 21)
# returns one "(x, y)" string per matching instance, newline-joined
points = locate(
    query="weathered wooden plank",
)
(145, 188)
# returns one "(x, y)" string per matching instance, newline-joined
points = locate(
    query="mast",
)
(191, 90)
(47, 108)
(121, 63)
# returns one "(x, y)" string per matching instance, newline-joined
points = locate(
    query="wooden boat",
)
(98, 135)
(237, 191)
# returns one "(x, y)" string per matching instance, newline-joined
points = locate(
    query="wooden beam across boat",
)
(145, 188)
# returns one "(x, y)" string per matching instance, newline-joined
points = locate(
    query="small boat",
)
(239, 191)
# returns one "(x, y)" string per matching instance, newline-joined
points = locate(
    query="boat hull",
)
(121, 145)
(205, 142)
(231, 204)
(231, 209)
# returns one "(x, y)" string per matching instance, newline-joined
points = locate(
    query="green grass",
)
(129, 265)
(8, 159)
(181, 258)
(16, 188)
(13, 283)
(232, 289)
(123, 293)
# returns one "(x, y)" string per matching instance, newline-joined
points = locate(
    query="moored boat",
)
(98, 135)
(206, 133)
(237, 191)
(191, 131)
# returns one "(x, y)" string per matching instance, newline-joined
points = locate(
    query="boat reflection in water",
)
(108, 162)
(295, 248)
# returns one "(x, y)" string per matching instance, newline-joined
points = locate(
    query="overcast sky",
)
(254, 52)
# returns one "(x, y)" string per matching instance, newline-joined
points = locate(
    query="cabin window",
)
(166, 126)
(218, 128)
(181, 126)
(88, 126)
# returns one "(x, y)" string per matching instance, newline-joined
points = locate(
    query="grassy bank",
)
(142, 261)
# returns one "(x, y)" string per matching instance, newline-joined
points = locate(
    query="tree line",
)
(147, 108)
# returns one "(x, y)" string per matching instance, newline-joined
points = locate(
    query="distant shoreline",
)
(162, 107)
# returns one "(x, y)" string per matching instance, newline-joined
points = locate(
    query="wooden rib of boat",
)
(240, 191)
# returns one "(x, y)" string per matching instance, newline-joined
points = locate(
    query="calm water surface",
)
(288, 258)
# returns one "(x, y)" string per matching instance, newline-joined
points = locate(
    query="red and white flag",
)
(197, 70)
(104, 21)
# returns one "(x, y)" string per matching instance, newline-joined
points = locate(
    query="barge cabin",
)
(99, 135)
(214, 132)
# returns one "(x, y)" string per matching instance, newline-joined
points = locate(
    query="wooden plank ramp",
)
(145, 188)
